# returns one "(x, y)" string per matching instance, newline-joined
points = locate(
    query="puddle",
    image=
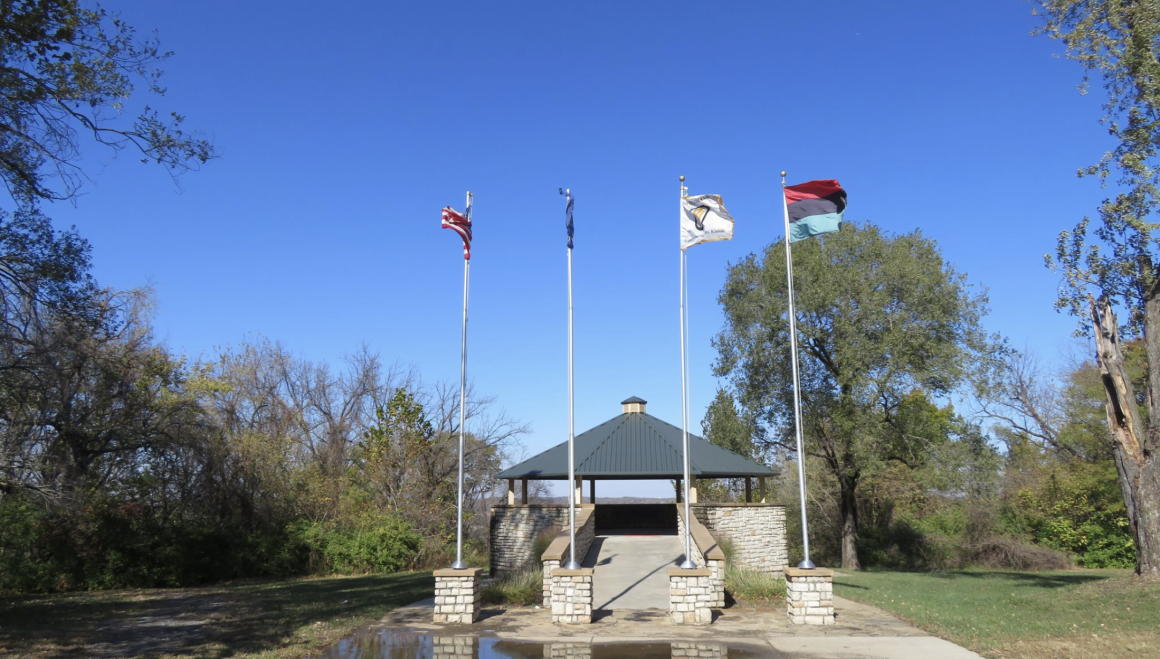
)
(393, 643)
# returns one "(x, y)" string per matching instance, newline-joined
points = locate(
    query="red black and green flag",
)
(814, 207)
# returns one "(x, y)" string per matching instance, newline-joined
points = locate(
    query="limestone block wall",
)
(690, 595)
(705, 554)
(513, 528)
(457, 595)
(809, 596)
(558, 552)
(571, 596)
(757, 531)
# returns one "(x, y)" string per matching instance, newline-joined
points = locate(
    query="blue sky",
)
(344, 128)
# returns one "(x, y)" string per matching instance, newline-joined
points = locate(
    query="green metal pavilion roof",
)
(636, 445)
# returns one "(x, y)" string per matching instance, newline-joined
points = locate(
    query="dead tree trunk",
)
(1134, 445)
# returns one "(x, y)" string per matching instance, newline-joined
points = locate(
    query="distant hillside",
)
(599, 499)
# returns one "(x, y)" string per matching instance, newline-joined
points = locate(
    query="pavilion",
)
(636, 445)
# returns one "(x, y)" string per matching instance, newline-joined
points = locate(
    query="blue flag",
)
(568, 214)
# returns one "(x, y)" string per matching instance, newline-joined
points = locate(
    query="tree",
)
(1117, 267)
(724, 427)
(884, 323)
(89, 401)
(67, 70)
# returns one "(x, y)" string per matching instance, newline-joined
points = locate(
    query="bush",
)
(522, 588)
(540, 544)
(372, 544)
(127, 545)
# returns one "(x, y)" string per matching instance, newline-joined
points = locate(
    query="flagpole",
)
(459, 564)
(688, 562)
(573, 500)
(797, 403)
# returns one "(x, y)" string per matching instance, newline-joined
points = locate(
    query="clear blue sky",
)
(345, 127)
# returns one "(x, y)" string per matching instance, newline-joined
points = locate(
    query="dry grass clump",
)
(1006, 554)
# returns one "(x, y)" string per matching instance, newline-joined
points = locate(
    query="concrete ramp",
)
(631, 571)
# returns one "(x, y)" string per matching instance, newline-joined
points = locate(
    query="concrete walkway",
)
(631, 571)
(861, 632)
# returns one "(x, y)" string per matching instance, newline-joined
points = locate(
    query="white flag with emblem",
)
(704, 219)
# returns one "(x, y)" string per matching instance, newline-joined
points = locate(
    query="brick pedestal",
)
(809, 596)
(571, 596)
(457, 595)
(691, 596)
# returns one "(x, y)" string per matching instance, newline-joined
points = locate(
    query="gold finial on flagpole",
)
(682, 179)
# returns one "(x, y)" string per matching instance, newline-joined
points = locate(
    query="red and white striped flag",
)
(457, 222)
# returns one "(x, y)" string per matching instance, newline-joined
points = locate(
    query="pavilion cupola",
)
(633, 405)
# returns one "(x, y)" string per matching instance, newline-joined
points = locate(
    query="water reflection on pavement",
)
(393, 643)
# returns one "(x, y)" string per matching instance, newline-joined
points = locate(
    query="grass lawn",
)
(271, 620)
(1022, 615)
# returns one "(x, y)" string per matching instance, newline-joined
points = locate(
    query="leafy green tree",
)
(1116, 268)
(67, 71)
(879, 318)
(726, 428)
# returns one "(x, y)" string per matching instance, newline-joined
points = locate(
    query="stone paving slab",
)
(853, 619)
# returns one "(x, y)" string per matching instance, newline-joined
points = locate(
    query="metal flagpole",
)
(573, 500)
(688, 562)
(797, 401)
(459, 564)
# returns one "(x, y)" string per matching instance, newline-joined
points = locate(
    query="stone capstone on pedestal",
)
(457, 595)
(571, 596)
(809, 596)
(691, 596)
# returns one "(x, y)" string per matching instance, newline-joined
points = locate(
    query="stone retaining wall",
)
(557, 553)
(706, 554)
(514, 528)
(757, 531)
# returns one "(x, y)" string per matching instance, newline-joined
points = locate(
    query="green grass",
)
(267, 620)
(1075, 613)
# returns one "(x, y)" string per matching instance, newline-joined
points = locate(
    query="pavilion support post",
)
(748, 489)
(679, 490)
(692, 488)
(511, 491)
(761, 488)
(524, 494)
(578, 487)
(592, 490)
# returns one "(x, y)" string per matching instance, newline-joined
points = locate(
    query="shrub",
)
(540, 544)
(371, 544)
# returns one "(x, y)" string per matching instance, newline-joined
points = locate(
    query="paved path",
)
(861, 632)
(632, 571)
